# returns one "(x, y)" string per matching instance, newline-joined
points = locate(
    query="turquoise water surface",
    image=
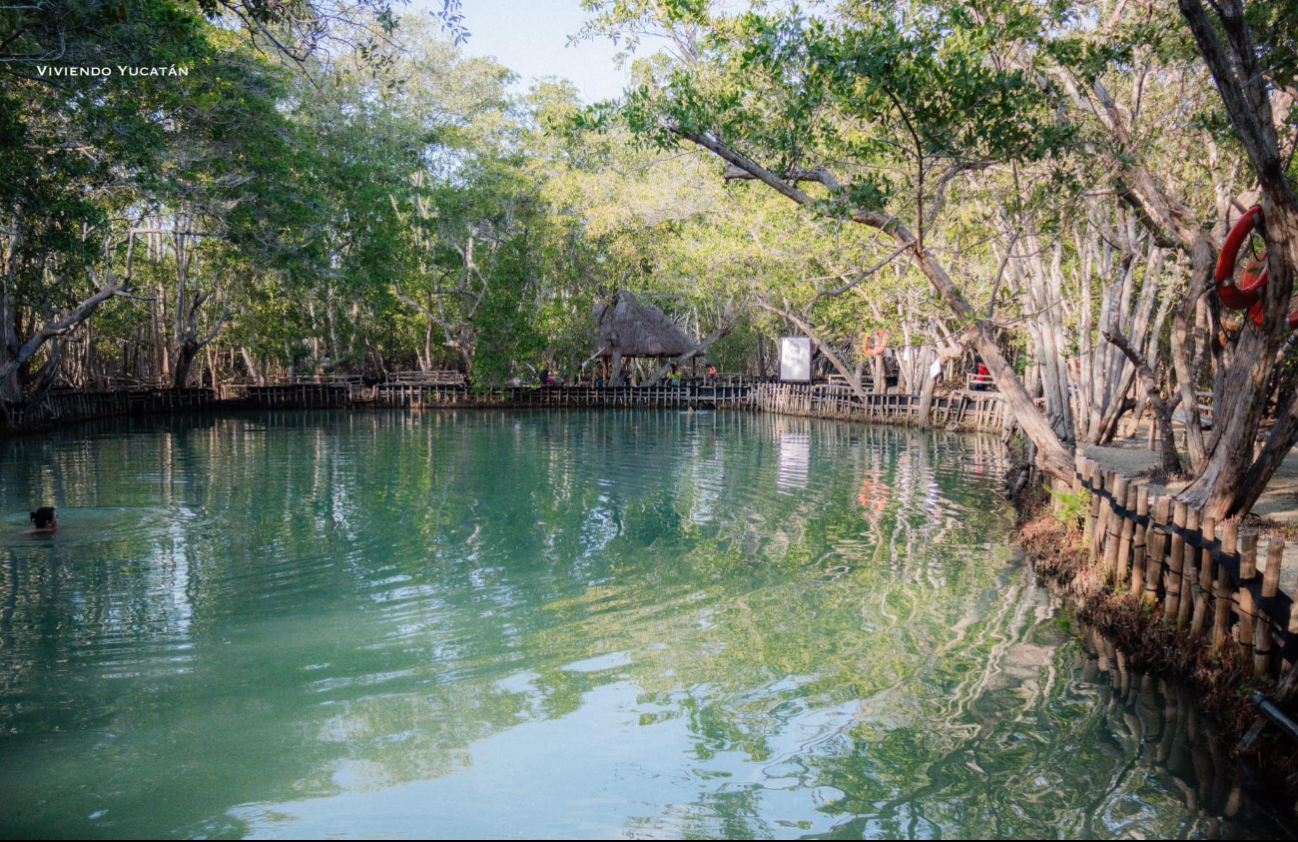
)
(596, 624)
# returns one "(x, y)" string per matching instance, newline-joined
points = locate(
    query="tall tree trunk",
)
(929, 381)
(185, 355)
(1244, 385)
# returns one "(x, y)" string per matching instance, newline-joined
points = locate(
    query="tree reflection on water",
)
(563, 624)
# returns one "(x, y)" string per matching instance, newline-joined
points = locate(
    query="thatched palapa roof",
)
(633, 328)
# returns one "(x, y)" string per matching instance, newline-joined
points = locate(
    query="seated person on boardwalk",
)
(982, 379)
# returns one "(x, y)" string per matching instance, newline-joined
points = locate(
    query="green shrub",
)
(1071, 506)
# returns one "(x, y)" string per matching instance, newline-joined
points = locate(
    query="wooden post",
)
(1093, 477)
(1189, 573)
(1157, 548)
(1128, 532)
(1224, 598)
(1139, 543)
(1206, 575)
(1262, 626)
(1109, 478)
(1113, 525)
(1247, 610)
(1175, 563)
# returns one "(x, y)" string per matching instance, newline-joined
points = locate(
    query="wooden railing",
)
(390, 394)
(973, 410)
(984, 411)
(63, 407)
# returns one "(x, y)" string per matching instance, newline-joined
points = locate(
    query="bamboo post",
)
(1108, 480)
(1293, 629)
(1128, 532)
(1157, 547)
(1093, 478)
(1206, 575)
(1138, 544)
(1113, 526)
(1189, 572)
(1262, 626)
(1175, 562)
(1247, 610)
(1224, 598)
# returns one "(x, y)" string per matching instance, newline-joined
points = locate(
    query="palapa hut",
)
(629, 327)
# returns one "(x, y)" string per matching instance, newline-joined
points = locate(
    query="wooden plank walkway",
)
(985, 411)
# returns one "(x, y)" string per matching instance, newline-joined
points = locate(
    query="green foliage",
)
(391, 201)
(1072, 506)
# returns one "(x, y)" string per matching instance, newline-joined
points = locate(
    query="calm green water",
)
(593, 625)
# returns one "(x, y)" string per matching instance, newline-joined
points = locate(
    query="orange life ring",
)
(877, 347)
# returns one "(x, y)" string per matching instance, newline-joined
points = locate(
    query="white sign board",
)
(795, 359)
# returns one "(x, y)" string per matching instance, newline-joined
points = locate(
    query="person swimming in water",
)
(46, 519)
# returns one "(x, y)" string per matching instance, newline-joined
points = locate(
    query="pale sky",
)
(530, 37)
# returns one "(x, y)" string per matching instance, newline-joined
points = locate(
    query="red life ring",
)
(1249, 291)
(1247, 294)
(1256, 313)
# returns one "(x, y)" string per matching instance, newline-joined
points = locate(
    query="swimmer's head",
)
(45, 518)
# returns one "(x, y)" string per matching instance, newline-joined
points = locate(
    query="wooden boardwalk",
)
(64, 407)
(969, 410)
(984, 411)
(396, 395)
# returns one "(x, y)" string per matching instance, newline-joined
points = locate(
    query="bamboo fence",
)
(1199, 575)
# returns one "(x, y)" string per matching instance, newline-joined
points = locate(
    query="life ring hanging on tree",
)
(874, 345)
(1247, 294)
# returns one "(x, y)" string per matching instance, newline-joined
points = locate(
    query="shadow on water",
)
(561, 624)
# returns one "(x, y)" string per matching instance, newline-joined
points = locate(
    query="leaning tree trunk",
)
(698, 350)
(1053, 456)
(826, 350)
(44, 379)
(56, 328)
